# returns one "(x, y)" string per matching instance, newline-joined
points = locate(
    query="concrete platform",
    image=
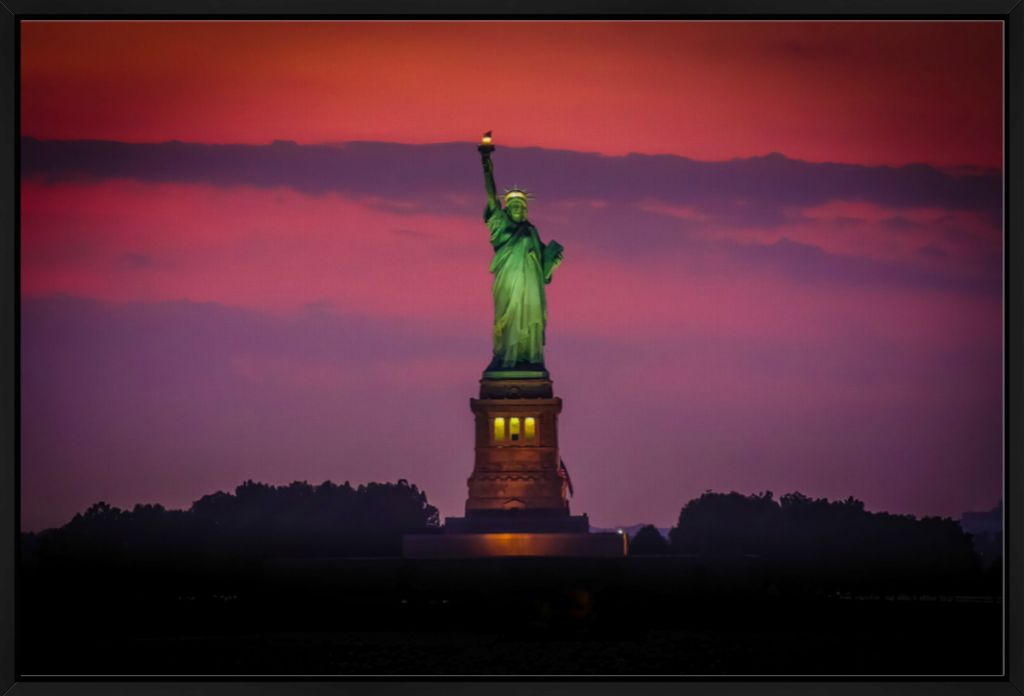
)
(600, 545)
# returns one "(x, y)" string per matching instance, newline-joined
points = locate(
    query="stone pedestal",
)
(518, 492)
(516, 465)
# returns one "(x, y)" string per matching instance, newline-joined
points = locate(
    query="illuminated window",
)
(499, 429)
(530, 428)
(513, 428)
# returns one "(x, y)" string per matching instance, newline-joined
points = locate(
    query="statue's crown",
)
(516, 192)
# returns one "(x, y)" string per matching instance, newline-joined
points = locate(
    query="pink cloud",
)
(275, 250)
(279, 250)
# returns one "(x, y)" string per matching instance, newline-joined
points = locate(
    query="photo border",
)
(1011, 12)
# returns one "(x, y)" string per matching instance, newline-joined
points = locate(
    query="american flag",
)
(565, 473)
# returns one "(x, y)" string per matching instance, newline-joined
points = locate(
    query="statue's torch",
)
(486, 146)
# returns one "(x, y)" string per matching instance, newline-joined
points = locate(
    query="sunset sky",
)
(254, 250)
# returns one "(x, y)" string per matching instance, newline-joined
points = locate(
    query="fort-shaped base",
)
(527, 521)
(602, 545)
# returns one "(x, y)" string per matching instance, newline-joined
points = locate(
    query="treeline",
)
(823, 543)
(256, 522)
(803, 543)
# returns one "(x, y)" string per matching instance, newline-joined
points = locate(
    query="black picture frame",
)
(1010, 12)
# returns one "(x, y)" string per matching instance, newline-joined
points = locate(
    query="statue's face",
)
(516, 209)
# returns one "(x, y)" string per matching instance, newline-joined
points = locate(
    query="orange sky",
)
(863, 92)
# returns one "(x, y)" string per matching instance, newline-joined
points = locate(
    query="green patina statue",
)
(522, 266)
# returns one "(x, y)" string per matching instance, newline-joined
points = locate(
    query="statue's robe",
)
(521, 269)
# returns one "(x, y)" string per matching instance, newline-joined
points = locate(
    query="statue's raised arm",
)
(486, 148)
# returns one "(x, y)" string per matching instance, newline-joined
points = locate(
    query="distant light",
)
(619, 531)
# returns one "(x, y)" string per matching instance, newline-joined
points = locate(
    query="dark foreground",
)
(631, 616)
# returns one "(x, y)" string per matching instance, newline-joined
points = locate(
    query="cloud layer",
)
(863, 92)
(756, 189)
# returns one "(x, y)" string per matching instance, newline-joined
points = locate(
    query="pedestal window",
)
(514, 429)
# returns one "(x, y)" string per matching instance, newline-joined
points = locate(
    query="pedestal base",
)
(602, 545)
(525, 521)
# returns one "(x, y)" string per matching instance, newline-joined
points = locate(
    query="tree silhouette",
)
(257, 521)
(818, 544)
(806, 544)
(648, 541)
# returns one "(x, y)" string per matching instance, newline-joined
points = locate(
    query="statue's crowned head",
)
(516, 203)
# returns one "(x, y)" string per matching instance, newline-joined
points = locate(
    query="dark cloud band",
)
(756, 189)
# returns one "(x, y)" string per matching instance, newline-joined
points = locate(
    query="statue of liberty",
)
(522, 266)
